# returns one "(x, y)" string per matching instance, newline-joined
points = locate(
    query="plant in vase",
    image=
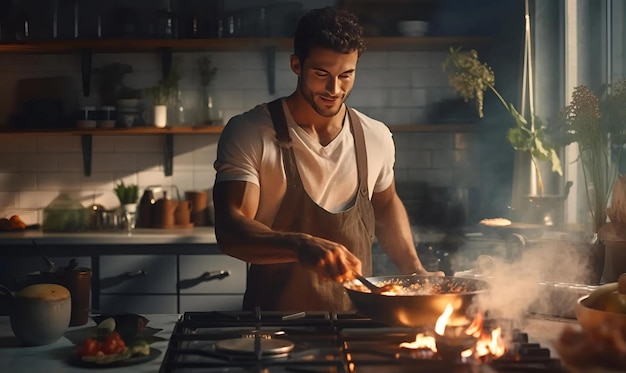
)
(596, 122)
(471, 78)
(163, 94)
(207, 74)
(127, 194)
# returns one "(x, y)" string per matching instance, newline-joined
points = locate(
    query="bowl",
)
(412, 28)
(591, 313)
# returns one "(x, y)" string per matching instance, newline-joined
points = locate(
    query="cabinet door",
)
(138, 274)
(141, 304)
(212, 274)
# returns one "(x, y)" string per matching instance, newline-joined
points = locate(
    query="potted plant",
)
(164, 94)
(471, 78)
(127, 194)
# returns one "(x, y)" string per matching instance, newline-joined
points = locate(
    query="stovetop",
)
(241, 341)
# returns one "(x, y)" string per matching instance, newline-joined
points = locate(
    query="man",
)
(303, 182)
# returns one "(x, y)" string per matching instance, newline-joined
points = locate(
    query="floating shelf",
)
(227, 44)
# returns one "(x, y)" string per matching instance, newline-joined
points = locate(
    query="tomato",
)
(113, 344)
(90, 347)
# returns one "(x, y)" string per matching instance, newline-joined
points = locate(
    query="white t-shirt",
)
(248, 151)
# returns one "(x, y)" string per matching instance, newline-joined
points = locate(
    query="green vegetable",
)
(106, 326)
(140, 347)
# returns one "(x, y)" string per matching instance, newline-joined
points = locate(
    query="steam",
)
(516, 285)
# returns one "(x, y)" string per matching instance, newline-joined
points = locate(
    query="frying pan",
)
(419, 308)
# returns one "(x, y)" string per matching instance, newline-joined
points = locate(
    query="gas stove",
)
(255, 341)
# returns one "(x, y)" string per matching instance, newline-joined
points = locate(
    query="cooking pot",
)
(40, 313)
(604, 306)
(423, 302)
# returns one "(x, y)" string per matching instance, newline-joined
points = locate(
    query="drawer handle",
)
(206, 276)
(138, 273)
(108, 282)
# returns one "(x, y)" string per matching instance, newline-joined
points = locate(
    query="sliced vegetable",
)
(140, 347)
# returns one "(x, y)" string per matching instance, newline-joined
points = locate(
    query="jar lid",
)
(109, 108)
(88, 108)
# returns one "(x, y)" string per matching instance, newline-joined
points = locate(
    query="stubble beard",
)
(309, 96)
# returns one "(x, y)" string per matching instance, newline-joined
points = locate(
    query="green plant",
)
(126, 193)
(471, 78)
(166, 91)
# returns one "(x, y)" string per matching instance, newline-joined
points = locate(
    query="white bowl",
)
(412, 28)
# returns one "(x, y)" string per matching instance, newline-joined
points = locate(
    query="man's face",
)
(325, 79)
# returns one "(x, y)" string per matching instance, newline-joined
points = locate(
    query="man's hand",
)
(328, 259)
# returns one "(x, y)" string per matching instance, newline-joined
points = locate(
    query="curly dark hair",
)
(328, 27)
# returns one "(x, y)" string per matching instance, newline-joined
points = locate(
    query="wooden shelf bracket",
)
(168, 155)
(87, 141)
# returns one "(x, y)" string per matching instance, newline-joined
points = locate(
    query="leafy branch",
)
(471, 78)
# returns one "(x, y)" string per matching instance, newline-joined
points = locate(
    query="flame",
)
(487, 344)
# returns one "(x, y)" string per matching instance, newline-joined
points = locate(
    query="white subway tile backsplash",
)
(434, 177)
(17, 181)
(8, 162)
(150, 161)
(409, 59)
(139, 144)
(150, 177)
(57, 180)
(17, 144)
(70, 162)
(38, 162)
(114, 161)
(37, 199)
(61, 144)
(373, 60)
(183, 180)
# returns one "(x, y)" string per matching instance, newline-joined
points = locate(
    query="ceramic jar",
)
(40, 313)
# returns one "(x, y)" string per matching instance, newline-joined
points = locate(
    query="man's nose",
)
(332, 85)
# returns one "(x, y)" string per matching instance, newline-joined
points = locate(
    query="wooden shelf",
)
(210, 130)
(183, 130)
(225, 44)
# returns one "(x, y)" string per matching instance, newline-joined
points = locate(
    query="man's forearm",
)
(394, 235)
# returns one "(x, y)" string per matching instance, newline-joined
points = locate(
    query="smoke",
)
(519, 287)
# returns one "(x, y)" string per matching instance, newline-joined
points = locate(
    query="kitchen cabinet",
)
(137, 283)
(214, 282)
(169, 283)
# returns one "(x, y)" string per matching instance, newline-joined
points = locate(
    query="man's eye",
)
(322, 74)
(345, 76)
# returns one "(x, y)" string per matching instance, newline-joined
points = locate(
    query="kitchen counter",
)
(52, 358)
(200, 240)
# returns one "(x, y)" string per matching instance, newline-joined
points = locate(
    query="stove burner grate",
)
(319, 343)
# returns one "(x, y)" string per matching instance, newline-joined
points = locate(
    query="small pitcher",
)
(182, 215)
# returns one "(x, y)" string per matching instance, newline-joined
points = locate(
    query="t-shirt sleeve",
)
(238, 151)
(388, 153)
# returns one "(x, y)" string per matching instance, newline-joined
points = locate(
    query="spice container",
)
(87, 117)
(107, 116)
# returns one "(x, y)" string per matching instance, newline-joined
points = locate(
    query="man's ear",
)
(295, 64)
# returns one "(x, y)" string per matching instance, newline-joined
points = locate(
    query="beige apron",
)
(290, 286)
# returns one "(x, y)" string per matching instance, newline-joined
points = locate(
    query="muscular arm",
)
(239, 235)
(394, 232)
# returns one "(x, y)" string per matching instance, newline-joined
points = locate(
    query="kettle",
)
(146, 218)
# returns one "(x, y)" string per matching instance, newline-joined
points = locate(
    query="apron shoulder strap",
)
(280, 122)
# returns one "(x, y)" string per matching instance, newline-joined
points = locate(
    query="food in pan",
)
(496, 222)
(393, 287)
